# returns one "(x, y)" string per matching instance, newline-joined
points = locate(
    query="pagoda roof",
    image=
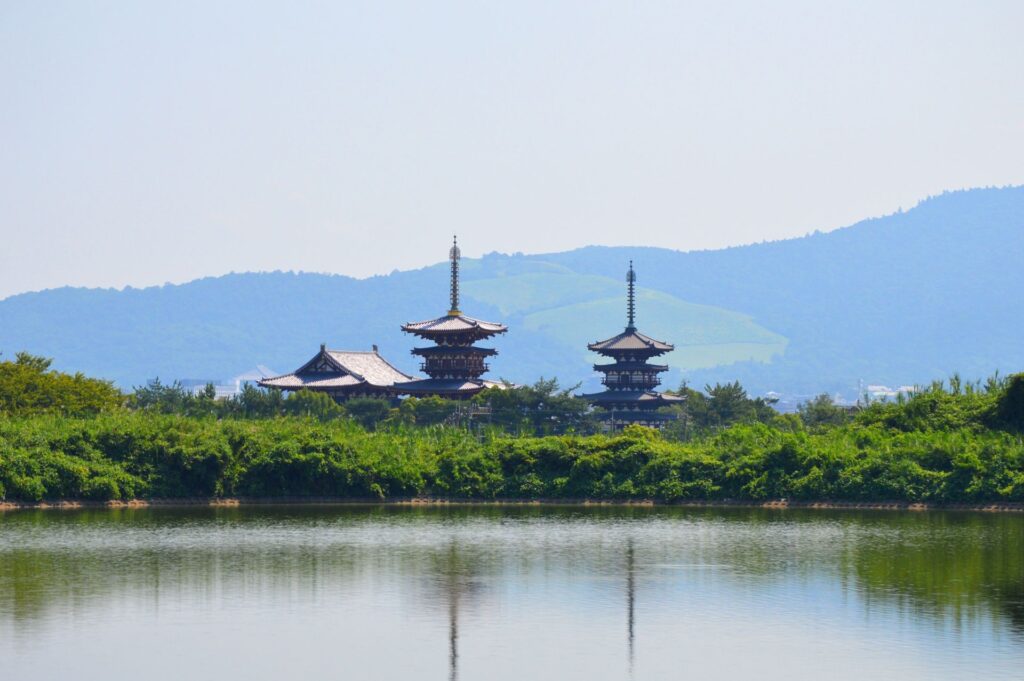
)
(330, 369)
(454, 350)
(454, 323)
(437, 386)
(644, 416)
(631, 366)
(631, 340)
(631, 397)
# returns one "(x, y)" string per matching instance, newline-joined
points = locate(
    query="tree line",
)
(72, 437)
(29, 387)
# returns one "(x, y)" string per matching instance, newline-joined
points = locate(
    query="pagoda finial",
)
(454, 256)
(631, 297)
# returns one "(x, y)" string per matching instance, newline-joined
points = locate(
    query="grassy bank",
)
(448, 503)
(127, 455)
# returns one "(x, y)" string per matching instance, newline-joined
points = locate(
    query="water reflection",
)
(453, 585)
(630, 600)
(504, 593)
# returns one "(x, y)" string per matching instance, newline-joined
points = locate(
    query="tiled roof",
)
(631, 339)
(631, 366)
(450, 323)
(346, 368)
(440, 385)
(456, 350)
(630, 396)
(432, 386)
(321, 381)
(370, 366)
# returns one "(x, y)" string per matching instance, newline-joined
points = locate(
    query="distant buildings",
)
(251, 377)
(343, 374)
(455, 366)
(453, 363)
(224, 389)
(884, 392)
(629, 380)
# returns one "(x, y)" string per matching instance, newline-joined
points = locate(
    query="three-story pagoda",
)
(453, 363)
(630, 396)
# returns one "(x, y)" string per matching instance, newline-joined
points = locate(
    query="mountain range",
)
(900, 299)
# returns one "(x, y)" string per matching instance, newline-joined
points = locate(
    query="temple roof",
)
(454, 323)
(311, 381)
(456, 350)
(631, 396)
(340, 369)
(631, 339)
(433, 386)
(631, 366)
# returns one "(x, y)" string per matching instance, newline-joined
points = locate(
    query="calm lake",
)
(510, 593)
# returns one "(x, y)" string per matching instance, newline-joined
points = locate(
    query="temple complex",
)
(453, 363)
(630, 381)
(343, 374)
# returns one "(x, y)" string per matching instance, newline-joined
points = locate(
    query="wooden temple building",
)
(454, 363)
(630, 381)
(343, 374)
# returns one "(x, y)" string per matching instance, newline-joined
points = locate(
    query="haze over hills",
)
(901, 299)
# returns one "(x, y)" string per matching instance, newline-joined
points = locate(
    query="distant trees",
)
(543, 408)
(718, 406)
(125, 453)
(156, 397)
(64, 436)
(425, 411)
(308, 403)
(250, 403)
(539, 409)
(998, 403)
(368, 411)
(28, 386)
(1009, 411)
(823, 411)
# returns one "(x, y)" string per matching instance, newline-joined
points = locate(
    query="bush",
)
(27, 386)
(957, 444)
(1010, 405)
(368, 411)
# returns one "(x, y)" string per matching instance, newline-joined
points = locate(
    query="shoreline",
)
(776, 504)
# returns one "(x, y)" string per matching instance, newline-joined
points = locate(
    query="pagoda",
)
(453, 363)
(630, 381)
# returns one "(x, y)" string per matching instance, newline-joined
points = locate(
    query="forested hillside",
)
(899, 299)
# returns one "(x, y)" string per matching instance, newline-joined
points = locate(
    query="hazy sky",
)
(150, 142)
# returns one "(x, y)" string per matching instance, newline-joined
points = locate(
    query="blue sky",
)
(150, 142)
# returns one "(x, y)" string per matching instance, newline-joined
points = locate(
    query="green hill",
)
(706, 336)
(571, 310)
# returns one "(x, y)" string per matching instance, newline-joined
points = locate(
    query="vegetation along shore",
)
(71, 438)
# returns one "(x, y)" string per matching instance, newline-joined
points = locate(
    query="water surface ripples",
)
(509, 593)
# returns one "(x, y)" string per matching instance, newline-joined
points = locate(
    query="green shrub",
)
(1010, 406)
(934, 447)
